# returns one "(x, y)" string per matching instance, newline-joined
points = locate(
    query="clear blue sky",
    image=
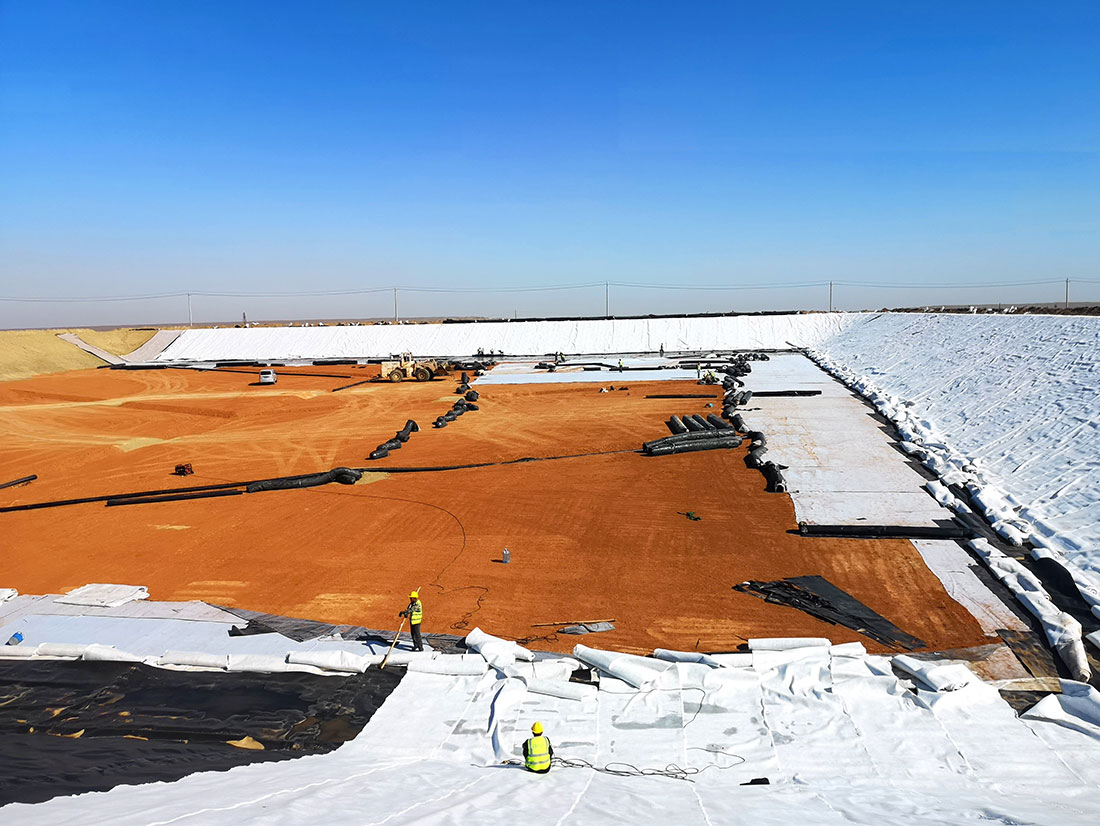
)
(151, 147)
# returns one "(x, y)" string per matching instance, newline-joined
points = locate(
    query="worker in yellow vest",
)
(537, 751)
(415, 613)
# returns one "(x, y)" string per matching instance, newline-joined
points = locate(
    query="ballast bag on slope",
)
(334, 660)
(1062, 631)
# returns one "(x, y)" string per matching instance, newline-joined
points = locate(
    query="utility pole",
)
(606, 300)
(395, 317)
(830, 296)
(190, 321)
(1067, 293)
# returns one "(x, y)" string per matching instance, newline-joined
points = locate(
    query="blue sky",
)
(280, 147)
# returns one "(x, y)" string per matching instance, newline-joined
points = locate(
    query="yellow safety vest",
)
(417, 612)
(538, 754)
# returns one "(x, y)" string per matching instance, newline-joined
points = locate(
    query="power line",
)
(545, 288)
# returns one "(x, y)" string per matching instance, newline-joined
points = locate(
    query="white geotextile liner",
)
(104, 595)
(108, 653)
(936, 677)
(631, 669)
(787, 643)
(840, 739)
(61, 649)
(450, 664)
(8, 593)
(777, 332)
(334, 660)
(496, 651)
(1077, 707)
(196, 659)
(1004, 405)
(1062, 631)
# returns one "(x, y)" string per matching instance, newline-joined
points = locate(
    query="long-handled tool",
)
(392, 644)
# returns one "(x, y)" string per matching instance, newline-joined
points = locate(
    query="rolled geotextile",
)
(675, 425)
(685, 657)
(346, 661)
(717, 423)
(787, 643)
(756, 437)
(380, 452)
(175, 497)
(691, 424)
(737, 422)
(343, 475)
(563, 690)
(631, 669)
(701, 421)
(472, 396)
(774, 477)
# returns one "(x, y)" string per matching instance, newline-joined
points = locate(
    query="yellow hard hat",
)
(414, 594)
(536, 728)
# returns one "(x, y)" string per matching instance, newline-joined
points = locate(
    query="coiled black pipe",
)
(343, 475)
(175, 497)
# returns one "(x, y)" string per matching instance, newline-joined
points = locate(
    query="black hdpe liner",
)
(819, 598)
(187, 717)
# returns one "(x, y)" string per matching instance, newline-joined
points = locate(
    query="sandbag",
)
(675, 425)
(380, 452)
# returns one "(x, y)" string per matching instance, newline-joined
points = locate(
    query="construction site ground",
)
(601, 535)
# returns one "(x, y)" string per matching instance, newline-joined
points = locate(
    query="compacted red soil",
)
(601, 535)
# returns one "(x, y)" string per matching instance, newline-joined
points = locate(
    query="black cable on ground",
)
(353, 384)
(385, 469)
(176, 498)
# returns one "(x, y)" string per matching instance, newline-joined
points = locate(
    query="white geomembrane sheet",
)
(840, 739)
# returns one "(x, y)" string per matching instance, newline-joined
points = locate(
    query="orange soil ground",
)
(597, 537)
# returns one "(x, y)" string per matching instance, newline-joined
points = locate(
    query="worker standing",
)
(415, 613)
(537, 751)
(620, 365)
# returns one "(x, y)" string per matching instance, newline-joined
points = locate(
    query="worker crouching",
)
(537, 751)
